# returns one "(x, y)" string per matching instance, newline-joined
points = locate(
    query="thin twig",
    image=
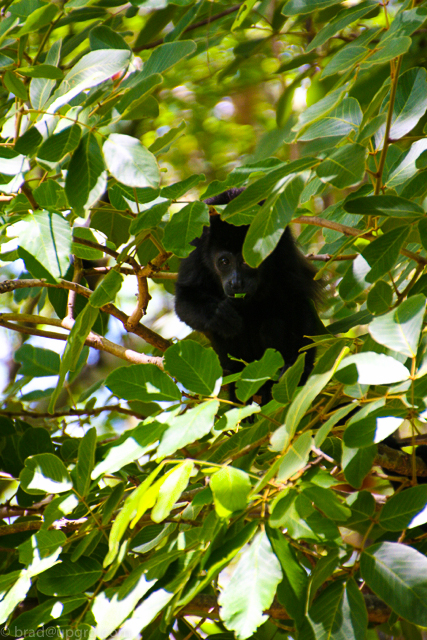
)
(140, 330)
(93, 340)
(72, 412)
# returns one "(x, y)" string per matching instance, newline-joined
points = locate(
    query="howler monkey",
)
(244, 311)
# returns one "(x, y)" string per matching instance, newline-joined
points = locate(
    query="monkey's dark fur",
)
(276, 311)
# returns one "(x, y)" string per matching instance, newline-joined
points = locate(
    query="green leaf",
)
(380, 298)
(405, 510)
(230, 488)
(36, 361)
(38, 19)
(274, 215)
(255, 374)
(149, 218)
(187, 428)
(292, 590)
(45, 245)
(85, 462)
(393, 206)
(86, 177)
(346, 117)
(51, 196)
(320, 376)
(347, 16)
(321, 108)
(296, 7)
(410, 103)
(357, 463)
(75, 343)
(397, 574)
(345, 167)
(400, 329)
(110, 610)
(371, 368)
(354, 281)
(258, 569)
(339, 612)
(406, 167)
(103, 37)
(135, 96)
(41, 88)
(345, 59)
(80, 250)
(258, 190)
(44, 613)
(133, 445)
(284, 390)
(184, 226)
(164, 142)
(107, 289)
(92, 69)
(383, 252)
(29, 141)
(324, 430)
(15, 85)
(328, 501)
(296, 457)
(170, 490)
(114, 225)
(371, 424)
(70, 578)
(166, 55)
(392, 48)
(42, 71)
(34, 441)
(196, 367)
(130, 162)
(57, 146)
(45, 473)
(144, 382)
(178, 189)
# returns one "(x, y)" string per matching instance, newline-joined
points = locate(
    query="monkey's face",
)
(237, 278)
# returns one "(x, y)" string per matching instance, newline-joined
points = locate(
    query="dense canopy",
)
(137, 500)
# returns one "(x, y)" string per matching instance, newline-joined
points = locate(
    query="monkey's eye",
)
(223, 262)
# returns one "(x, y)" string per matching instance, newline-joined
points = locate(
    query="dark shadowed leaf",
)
(398, 575)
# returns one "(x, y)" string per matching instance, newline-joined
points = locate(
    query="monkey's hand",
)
(225, 321)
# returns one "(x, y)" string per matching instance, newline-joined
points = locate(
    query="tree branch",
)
(72, 412)
(140, 330)
(93, 340)
(399, 462)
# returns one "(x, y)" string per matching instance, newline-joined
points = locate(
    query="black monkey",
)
(244, 311)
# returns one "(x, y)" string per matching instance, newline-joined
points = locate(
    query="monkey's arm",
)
(206, 312)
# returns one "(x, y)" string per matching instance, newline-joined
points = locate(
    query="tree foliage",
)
(136, 499)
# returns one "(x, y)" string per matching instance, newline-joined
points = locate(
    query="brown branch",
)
(161, 275)
(336, 226)
(196, 25)
(141, 305)
(327, 257)
(399, 462)
(205, 605)
(25, 189)
(93, 340)
(72, 412)
(77, 276)
(350, 231)
(140, 330)
(107, 250)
